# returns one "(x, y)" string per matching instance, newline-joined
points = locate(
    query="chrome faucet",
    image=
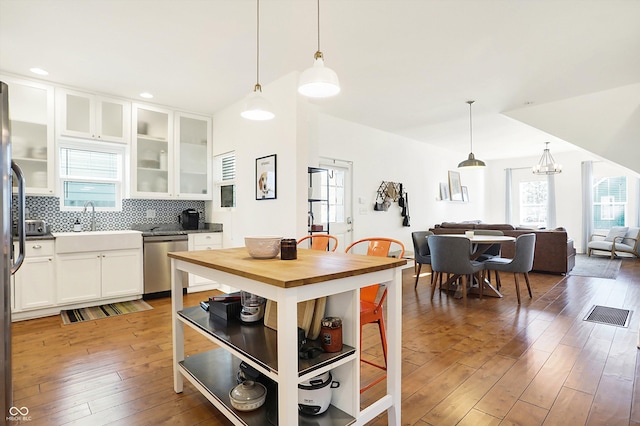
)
(93, 213)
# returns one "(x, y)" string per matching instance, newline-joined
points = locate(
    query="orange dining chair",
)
(321, 242)
(370, 308)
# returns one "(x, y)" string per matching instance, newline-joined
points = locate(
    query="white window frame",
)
(219, 182)
(86, 145)
(522, 205)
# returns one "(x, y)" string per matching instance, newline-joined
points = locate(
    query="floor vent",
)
(610, 316)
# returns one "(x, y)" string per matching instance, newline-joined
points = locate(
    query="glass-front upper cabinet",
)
(31, 114)
(193, 141)
(89, 116)
(152, 152)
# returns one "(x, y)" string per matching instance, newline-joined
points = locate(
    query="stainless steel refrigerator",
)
(10, 261)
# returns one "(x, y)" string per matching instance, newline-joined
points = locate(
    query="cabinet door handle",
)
(36, 246)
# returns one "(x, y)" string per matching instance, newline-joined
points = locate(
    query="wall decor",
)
(465, 194)
(266, 177)
(444, 191)
(455, 187)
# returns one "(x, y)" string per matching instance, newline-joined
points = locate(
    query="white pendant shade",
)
(319, 81)
(256, 107)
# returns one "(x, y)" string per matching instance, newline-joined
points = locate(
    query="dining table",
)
(480, 244)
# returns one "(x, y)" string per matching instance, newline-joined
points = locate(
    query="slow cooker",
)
(314, 395)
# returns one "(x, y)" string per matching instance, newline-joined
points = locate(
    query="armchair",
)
(620, 239)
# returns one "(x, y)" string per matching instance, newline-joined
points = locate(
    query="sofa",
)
(554, 250)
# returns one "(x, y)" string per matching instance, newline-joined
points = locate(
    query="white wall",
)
(378, 156)
(299, 135)
(568, 189)
(254, 139)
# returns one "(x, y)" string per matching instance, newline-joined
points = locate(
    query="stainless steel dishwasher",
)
(157, 265)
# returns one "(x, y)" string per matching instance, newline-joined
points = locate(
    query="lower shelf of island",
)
(214, 373)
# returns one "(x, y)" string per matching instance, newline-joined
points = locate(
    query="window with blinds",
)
(90, 174)
(225, 172)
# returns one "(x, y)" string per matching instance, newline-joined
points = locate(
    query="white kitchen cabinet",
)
(203, 241)
(151, 152)
(121, 273)
(98, 275)
(89, 116)
(32, 132)
(193, 156)
(79, 277)
(34, 283)
(171, 154)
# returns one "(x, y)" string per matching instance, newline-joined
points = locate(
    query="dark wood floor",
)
(488, 363)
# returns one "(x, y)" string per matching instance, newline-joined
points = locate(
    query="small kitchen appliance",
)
(252, 307)
(35, 227)
(189, 219)
(314, 395)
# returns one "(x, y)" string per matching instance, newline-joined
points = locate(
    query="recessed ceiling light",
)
(38, 71)
(146, 95)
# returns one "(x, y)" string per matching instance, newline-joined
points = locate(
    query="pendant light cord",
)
(258, 43)
(318, 3)
(470, 126)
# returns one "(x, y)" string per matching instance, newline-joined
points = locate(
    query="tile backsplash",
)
(133, 212)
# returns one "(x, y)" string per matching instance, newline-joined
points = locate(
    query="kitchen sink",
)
(74, 242)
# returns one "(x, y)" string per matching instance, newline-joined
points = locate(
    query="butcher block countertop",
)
(311, 266)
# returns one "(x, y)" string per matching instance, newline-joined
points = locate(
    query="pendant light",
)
(472, 161)
(256, 107)
(547, 165)
(318, 81)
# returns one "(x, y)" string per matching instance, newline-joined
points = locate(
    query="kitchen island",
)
(314, 274)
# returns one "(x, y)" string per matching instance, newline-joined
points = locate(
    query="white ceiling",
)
(405, 66)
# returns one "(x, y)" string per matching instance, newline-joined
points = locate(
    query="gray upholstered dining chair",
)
(521, 263)
(422, 255)
(452, 255)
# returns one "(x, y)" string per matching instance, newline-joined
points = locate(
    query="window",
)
(533, 203)
(609, 202)
(225, 169)
(91, 172)
(336, 196)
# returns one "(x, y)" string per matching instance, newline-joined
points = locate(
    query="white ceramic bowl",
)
(263, 247)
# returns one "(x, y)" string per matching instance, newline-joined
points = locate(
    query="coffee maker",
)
(189, 219)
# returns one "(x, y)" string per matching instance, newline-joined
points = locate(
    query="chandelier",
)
(547, 165)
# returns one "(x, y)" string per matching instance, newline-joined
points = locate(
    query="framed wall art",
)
(444, 191)
(465, 194)
(266, 178)
(455, 187)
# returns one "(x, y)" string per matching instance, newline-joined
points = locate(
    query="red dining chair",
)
(370, 308)
(321, 242)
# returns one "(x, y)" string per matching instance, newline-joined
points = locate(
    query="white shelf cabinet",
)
(171, 154)
(89, 116)
(32, 132)
(271, 352)
(193, 156)
(203, 241)
(33, 285)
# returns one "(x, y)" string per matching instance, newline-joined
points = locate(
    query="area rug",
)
(596, 266)
(73, 316)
